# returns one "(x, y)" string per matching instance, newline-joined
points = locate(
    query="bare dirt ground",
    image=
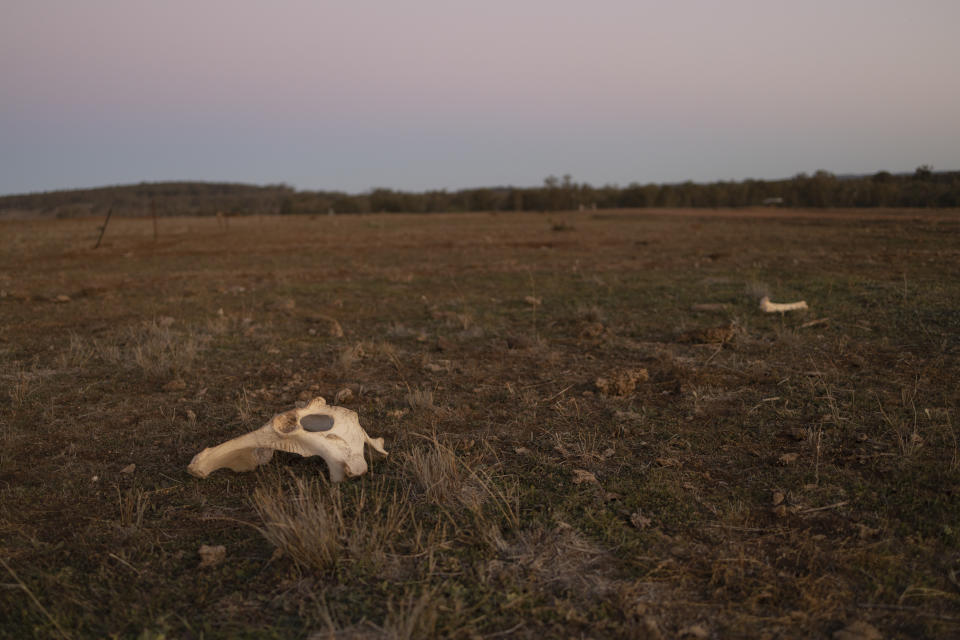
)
(593, 430)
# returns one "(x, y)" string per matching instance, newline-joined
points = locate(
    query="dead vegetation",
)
(619, 442)
(319, 528)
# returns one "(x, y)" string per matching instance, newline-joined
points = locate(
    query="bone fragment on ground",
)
(710, 306)
(333, 433)
(773, 307)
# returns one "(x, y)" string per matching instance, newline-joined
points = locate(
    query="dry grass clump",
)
(420, 399)
(155, 347)
(466, 489)
(320, 527)
(79, 353)
(711, 335)
(352, 355)
(19, 385)
(590, 313)
(438, 472)
(412, 617)
(562, 559)
(621, 382)
(160, 350)
(584, 445)
(132, 505)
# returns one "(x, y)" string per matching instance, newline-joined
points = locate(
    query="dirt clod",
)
(858, 630)
(212, 555)
(175, 385)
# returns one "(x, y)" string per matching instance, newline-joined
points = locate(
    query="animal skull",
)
(333, 433)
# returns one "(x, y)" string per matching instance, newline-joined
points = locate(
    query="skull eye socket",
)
(317, 422)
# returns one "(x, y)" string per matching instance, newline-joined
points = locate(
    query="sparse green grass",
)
(785, 480)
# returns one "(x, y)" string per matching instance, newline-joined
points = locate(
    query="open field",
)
(576, 450)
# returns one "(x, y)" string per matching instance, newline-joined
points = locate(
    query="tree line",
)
(922, 188)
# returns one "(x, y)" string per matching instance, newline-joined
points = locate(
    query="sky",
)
(444, 94)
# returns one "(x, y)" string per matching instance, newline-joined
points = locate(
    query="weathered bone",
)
(773, 307)
(319, 429)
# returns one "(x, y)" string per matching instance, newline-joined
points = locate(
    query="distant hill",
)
(922, 188)
(168, 198)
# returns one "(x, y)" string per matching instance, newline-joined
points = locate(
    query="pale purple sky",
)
(421, 94)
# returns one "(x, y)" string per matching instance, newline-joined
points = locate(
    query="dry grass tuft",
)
(351, 356)
(562, 559)
(244, 409)
(320, 528)
(78, 353)
(439, 473)
(412, 617)
(160, 351)
(420, 399)
(132, 506)
(19, 390)
(465, 488)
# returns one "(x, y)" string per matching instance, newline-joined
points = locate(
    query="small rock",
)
(694, 631)
(175, 385)
(592, 330)
(344, 395)
(212, 555)
(62, 298)
(858, 630)
(865, 532)
(533, 301)
(130, 468)
(778, 497)
(581, 476)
